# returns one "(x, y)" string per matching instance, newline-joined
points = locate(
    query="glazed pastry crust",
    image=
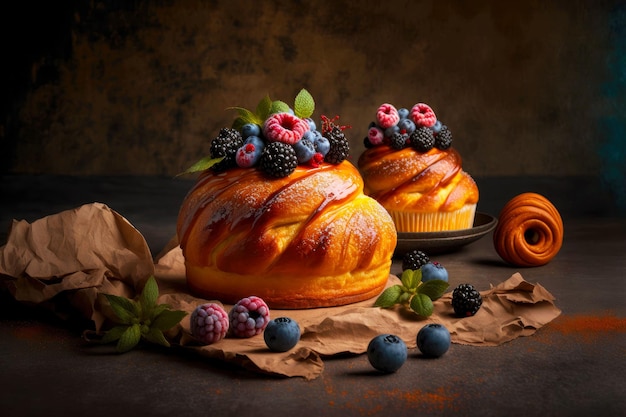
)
(311, 239)
(409, 181)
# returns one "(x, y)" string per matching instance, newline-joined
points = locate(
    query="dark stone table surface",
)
(574, 366)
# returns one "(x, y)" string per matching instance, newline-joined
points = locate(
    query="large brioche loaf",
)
(310, 239)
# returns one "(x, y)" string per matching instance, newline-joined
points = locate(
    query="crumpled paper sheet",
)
(93, 250)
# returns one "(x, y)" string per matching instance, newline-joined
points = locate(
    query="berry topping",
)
(422, 140)
(226, 145)
(398, 140)
(406, 126)
(249, 317)
(423, 115)
(387, 116)
(279, 160)
(250, 129)
(281, 334)
(248, 155)
(339, 146)
(414, 260)
(466, 300)
(443, 139)
(375, 135)
(285, 128)
(305, 149)
(209, 323)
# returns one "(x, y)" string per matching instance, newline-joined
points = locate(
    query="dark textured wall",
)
(140, 87)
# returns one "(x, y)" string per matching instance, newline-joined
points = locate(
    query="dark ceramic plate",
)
(448, 241)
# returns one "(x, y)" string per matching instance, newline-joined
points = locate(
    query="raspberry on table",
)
(249, 317)
(209, 323)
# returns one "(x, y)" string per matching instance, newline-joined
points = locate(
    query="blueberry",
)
(311, 123)
(387, 352)
(433, 340)
(281, 334)
(250, 129)
(322, 145)
(304, 150)
(403, 113)
(391, 130)
(434, 270)
(406, 126)
(256, 141)
(436, 128)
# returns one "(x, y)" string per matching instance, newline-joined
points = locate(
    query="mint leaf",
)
(156, 336)
(304, 104)
(148, 297)
(113, 334)
(422, 305)
(202, 165)
(247, 116)
(264, 107)
(434, 289)
(126, 310)
(279, 107)
(411, 279)
(129, 338)
(389, 297)
(167, 319)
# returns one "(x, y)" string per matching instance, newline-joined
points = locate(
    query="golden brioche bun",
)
(312, 239)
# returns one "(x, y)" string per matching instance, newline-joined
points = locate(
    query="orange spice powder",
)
(589, 327)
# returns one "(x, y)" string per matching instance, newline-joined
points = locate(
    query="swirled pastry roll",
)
(310, 239)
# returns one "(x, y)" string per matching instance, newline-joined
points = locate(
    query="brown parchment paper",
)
(92, 250)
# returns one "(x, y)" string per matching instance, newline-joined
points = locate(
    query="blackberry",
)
(339, 146)
(466, 300)
(422, 139)
(278, 160)
(226, 144)
(398, 140)
(414, 260)
(443, 139)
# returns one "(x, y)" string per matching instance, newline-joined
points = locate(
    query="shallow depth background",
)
(141, 87)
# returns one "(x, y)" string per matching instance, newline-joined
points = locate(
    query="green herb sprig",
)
(413, 293)
(140, 319)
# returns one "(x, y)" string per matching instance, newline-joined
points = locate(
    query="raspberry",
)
(339, 146)
(422, 140)
(466, 300)
(249, 317)
(375, 135)
(278, 160)
(248, 155)
(226, 144)
(443, 139)
(423, 115)
(284, 127)
(414, 260)
(387, 116)
(209, 323)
